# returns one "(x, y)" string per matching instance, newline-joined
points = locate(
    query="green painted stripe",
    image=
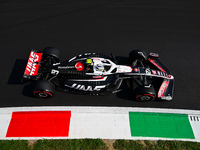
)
(160, 125)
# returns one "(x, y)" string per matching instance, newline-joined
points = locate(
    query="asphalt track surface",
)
(168, 27)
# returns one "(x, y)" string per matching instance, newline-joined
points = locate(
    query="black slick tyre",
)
(137, 55)
(44, 89)
(52, 53)
(145, 94)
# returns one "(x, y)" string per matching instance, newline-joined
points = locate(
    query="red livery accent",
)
(136, 69)
(96, 77)
(155, 64)
(163, 88)
(33, 64)
(100, 78)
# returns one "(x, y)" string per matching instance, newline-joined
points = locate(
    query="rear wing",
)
(33, 64)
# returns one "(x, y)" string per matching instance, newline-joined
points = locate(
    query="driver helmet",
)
(99, 67)
(89, 61)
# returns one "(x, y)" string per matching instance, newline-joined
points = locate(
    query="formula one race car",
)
(97, 74)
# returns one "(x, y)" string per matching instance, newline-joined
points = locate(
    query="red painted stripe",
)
(39, 124)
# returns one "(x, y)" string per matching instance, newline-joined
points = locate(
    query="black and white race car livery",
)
(97, 74)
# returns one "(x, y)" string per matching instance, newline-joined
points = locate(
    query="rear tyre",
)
(145, 94)
(44, 89)
(53, 53)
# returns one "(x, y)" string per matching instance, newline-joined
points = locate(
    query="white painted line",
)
(4, 123)
(99, 125)
(90, 109)
(195, 124)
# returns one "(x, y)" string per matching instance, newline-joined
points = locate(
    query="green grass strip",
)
(14, 145)
(71, 144)
(155, 145)
(160, 125)
(85, 144)
(97, 144)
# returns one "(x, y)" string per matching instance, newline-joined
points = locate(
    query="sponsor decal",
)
(155, 64)
(154, 71)
(65, 67)
(79, 66)
(33, 64)
(160, 73)
(85, 88)
(163, 88)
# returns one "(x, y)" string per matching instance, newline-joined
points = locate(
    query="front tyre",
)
(137, 55)
(44, 89)
(145, 94)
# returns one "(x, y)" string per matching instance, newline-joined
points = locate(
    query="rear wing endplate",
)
(33, 64)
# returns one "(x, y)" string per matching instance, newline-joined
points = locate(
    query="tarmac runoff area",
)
(33, 123)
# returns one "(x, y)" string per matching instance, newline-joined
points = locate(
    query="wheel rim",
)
(145, 97)
(43, 94)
